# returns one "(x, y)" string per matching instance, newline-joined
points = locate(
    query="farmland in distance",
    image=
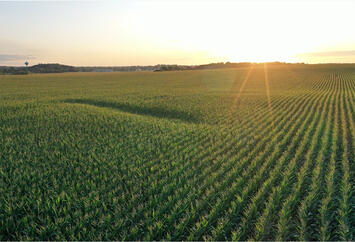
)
(260, 153)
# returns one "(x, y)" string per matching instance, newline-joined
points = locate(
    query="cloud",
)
(330, 54)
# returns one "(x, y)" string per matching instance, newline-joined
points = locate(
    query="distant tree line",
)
(40, 68)
(115, 68)
(58, 68)
(217, 65)
(51, 68)
(13, 70)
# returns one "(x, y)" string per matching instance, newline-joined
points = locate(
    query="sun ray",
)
(266, 76)
(235, 102)
(267, 87)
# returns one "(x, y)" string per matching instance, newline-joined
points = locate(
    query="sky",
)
(149, 32)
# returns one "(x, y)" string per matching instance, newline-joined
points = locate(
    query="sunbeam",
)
(242, 87)
(267, 87)
(266, 74)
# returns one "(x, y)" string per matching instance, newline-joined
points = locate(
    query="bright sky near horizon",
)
(137, 32)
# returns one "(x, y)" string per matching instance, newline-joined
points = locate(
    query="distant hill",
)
(51, 68)
(40, 68)
(11, 70)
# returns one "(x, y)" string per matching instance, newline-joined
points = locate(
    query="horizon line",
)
(222, 62)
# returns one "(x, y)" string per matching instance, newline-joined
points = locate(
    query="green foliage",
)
(179, 155)
(51, 68)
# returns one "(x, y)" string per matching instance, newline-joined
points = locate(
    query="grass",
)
(260, 153)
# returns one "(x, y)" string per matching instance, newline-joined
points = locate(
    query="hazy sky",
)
(182, 32)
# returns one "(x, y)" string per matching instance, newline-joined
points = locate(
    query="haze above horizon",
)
(120, 33)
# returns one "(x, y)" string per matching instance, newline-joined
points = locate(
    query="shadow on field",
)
(158, 112)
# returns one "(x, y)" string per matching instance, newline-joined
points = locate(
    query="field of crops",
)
(260, 153)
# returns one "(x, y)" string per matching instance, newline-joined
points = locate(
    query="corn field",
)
(257, 153)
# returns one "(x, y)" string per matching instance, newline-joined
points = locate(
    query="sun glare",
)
(178, 32)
